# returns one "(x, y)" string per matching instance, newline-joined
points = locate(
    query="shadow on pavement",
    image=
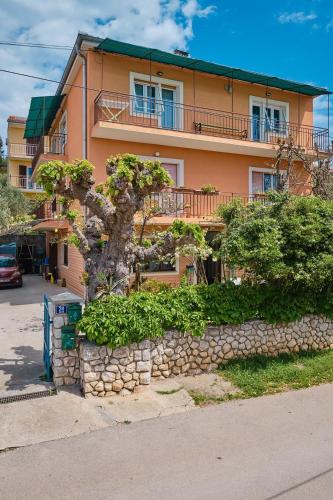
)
(24, 369)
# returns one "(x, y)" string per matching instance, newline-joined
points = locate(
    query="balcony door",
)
(158, 99)
(269, 119)
(168, 112)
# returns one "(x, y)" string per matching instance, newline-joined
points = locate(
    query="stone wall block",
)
(143, 366)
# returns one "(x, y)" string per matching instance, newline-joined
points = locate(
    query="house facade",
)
(208, 124)
(20, 154)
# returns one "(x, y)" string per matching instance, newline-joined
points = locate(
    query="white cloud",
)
(296, 17)
(321, 115)
(164, 24)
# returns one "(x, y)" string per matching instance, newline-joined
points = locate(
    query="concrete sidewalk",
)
(273, 447)
(67, 414)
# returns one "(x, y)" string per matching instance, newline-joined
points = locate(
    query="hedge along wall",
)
(106, 372)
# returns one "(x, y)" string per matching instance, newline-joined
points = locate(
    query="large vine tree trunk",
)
(106, 237)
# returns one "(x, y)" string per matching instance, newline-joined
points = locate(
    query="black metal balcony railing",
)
(150, 112)
(55, 144)
(173, 202)
(21, 150)
(178, 202)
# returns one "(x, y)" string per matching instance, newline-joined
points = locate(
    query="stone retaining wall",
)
(106, 372)
(65, 364)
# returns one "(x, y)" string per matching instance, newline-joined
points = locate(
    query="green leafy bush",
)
(118, 320)
(288, 242)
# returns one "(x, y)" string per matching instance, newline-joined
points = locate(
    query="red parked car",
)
(10, 274)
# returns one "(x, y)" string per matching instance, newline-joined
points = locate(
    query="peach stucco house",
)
(207, 123)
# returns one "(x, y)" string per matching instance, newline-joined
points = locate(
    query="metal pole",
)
(328, 118)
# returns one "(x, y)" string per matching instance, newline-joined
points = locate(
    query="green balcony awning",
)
(160, 56)
(41, 115)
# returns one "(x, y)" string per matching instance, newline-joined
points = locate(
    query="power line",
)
(47, 79)
(36, 45)
(35, 77)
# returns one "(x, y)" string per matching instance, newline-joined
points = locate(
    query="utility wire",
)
(36, 45)
(47, 79)
(54, 81)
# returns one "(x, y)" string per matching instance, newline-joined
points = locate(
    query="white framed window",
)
(174, 166)
(159, 98)
(268, 117)
(262, 180)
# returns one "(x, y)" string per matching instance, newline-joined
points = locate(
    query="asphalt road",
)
(275, 447)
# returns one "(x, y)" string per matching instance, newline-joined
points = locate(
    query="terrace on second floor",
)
(139, 118)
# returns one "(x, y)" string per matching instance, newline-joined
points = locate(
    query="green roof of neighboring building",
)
(41, 115)
(160, 56)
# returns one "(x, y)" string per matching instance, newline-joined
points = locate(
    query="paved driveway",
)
(21, 335)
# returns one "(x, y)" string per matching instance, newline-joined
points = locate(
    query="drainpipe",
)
(84, 102)
(84, 129)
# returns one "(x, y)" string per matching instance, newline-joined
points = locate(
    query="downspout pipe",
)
(84, 128)
(84, 101)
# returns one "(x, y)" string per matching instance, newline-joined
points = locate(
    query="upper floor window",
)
(158, 99)
(146, 95)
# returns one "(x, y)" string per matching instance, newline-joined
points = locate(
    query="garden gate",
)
(47, 348)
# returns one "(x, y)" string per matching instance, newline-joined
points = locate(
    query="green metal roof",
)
(160, 56)
(41, 115)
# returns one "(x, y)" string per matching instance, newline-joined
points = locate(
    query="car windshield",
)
(7, 262)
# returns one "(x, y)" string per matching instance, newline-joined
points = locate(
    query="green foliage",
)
(129, 170)
(155, 286)
(51, 172)
(14, 206)
(288, 241)
(79, 170)
(190, 308)
(117, 320)
(208, 189)
(73, 239)
(179, 228)
(72, 215)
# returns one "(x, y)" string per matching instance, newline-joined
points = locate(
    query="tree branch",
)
(168, 244)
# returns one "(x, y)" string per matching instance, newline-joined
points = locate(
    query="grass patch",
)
(203, 400)
(264, 375)
(170, 391)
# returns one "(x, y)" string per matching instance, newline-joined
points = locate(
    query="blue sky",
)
(289, 38)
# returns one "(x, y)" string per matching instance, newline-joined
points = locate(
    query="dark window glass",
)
(65, 254)
(158, 267)
(7, 262)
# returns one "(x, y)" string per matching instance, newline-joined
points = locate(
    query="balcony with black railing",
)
(50, 147)
(192, 203)
(124, 109)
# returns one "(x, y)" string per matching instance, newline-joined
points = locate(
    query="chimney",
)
(182, 53)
